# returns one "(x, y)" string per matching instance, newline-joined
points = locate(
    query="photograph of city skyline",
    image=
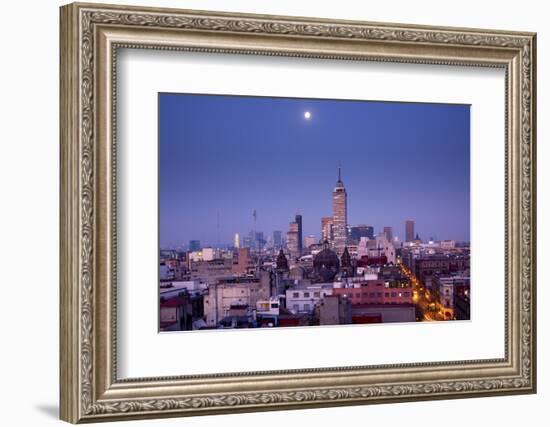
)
(284, 212)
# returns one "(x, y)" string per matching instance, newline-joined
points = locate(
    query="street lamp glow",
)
(307, 115)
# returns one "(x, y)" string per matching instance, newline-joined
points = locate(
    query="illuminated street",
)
(426, 307)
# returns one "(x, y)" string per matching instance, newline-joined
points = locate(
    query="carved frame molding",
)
(90, 37)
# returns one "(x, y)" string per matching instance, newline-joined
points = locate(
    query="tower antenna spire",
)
(218, 229)
(255, 239)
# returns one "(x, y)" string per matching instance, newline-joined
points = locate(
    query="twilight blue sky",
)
(231, 155)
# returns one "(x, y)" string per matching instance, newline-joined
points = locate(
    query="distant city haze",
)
(224, 157)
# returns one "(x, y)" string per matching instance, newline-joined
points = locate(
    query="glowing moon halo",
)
(307, 115)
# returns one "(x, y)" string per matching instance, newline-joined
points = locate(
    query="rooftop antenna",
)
(255, 241)
(218, 229)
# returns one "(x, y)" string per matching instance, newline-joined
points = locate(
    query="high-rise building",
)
(277, 239)
(194, 245)
(359, 231)
(409, 230)
(326, 229)
(339, 214)
(252, 238)
(257, 241)
(236, 241)
(292, 240)
(388, 231)
(260, 241)
(298, 220)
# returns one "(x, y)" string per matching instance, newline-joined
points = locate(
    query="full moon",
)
(307, 115)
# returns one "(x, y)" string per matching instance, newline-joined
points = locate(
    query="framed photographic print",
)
(265, 212)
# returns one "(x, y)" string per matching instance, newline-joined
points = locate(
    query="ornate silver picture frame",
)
(91, 390)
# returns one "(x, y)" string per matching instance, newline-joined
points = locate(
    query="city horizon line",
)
(339, 181)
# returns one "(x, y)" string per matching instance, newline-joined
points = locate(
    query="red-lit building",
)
(378, 291)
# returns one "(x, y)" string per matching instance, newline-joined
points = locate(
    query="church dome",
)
(326, 264)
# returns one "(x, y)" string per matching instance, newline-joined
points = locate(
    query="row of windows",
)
(307, 307)
(394, 284)
(357, 295)
(308, 294)
(379, 294)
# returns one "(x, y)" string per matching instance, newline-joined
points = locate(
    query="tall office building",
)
(252, 237)
(388, 231)
(260, 241)
(298, 220)
(277, 239)
(326, 229)
(359, 231)
(339, 214)
(292, 240)
(236, 241)
(257, 241)
(194, 245)
(409, 230)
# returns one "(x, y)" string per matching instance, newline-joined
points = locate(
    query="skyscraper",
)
(409, 230)
(252, 236)
(236, 240)
(260, 241)
(277, 239)
(326, 229)
(298, 220)
(388, 231)
(361, 231)
(292, 240)
(194, 245)
(339, 214)
(257, 241)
